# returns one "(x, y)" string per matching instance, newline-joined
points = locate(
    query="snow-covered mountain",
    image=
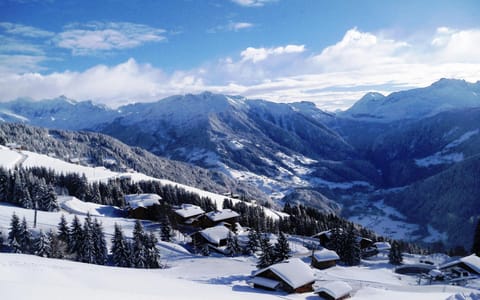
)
(443, 95)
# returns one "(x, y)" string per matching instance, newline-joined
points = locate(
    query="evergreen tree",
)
(233, 247)
(253, 241)
(75, 239)
(42, 245)
(166, 231)
(352, 251)
(267, 256)
(57, 246)
(152, 252)
(476, 240)
(395, 255)
(16, 248)
(100, 245)
(87, 252)
(14, 232)
(49, 199)
(120, 248)
(24, 238)
(282, 248)
(63, 231)
(139, 249)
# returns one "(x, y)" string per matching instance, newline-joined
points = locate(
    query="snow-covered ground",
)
(186, 275)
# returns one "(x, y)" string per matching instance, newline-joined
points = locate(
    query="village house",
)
(213, 237)
(189, 214)
(324, 258)
(291, 276)
(142, 206)
(224, 216)
(469, 263)
(334, 290)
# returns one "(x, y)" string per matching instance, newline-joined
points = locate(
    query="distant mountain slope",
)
(443, 95)
(448, 201)
(99, 149)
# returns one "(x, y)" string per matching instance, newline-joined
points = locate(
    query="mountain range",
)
(410, 145)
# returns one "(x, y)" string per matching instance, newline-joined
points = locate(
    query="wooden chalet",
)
(189, 214)
(291, 276)
(224, 216)
(323, 259)
(215, 237)
(142, 206)
(469, 263)
(334, 290)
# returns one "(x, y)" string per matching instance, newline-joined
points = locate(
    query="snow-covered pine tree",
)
(49, 199)
(63, 230)
(139, 250)
(166, 231)
(233, 247)
(87, 252)
(14, 232)
(16, 248)
(21, 194)
(57, 247)
(100, 245)
(75, 238)
(267, 257)
(152, 252)
(253, 241)
(42, 245)
(121, 255)
(24, 238)
(5, 184)
(351, 251)
(282, 248)
(395, 255)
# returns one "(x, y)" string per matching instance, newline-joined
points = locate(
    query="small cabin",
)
(469, 263)
(224, 216)
(142, 206)
(215, 237)
(323, 259)
(334, 290)
(291, 276)
(189, 214)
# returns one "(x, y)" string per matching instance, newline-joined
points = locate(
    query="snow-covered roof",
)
(472, 261)
(189, 210)
(223, 214)
(294, 272)
(382, 246)
(215, 234)
(142, 200)
(265, 282)
(325, 255)
(336, 289)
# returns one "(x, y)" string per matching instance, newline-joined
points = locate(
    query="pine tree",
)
(120, 249)
(75, 239)
(24, 238)
(100, 245)
(152, 252)
(233, 247)
(139, 250)
(49, 199)
(87, 252)
(395, 255)
(282, 248)
(166, 233)
(476, 240)
(253, 241)
(63, 231)
(42, 245)
(16, 248)
(14, 232)
(351, 252)
(267, 256)
(57, 247)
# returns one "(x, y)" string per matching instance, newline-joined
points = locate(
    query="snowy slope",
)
(9, 158)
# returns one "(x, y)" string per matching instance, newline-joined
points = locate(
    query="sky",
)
(116, 52)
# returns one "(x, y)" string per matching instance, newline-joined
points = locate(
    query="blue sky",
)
(328, 52)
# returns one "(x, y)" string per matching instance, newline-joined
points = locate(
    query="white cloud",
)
(259, 54)
(25, 31)
(97, 36)
(332, 78)
(231, 26)
(252, 3)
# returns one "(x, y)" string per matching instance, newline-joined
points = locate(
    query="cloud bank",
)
(333, 77)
